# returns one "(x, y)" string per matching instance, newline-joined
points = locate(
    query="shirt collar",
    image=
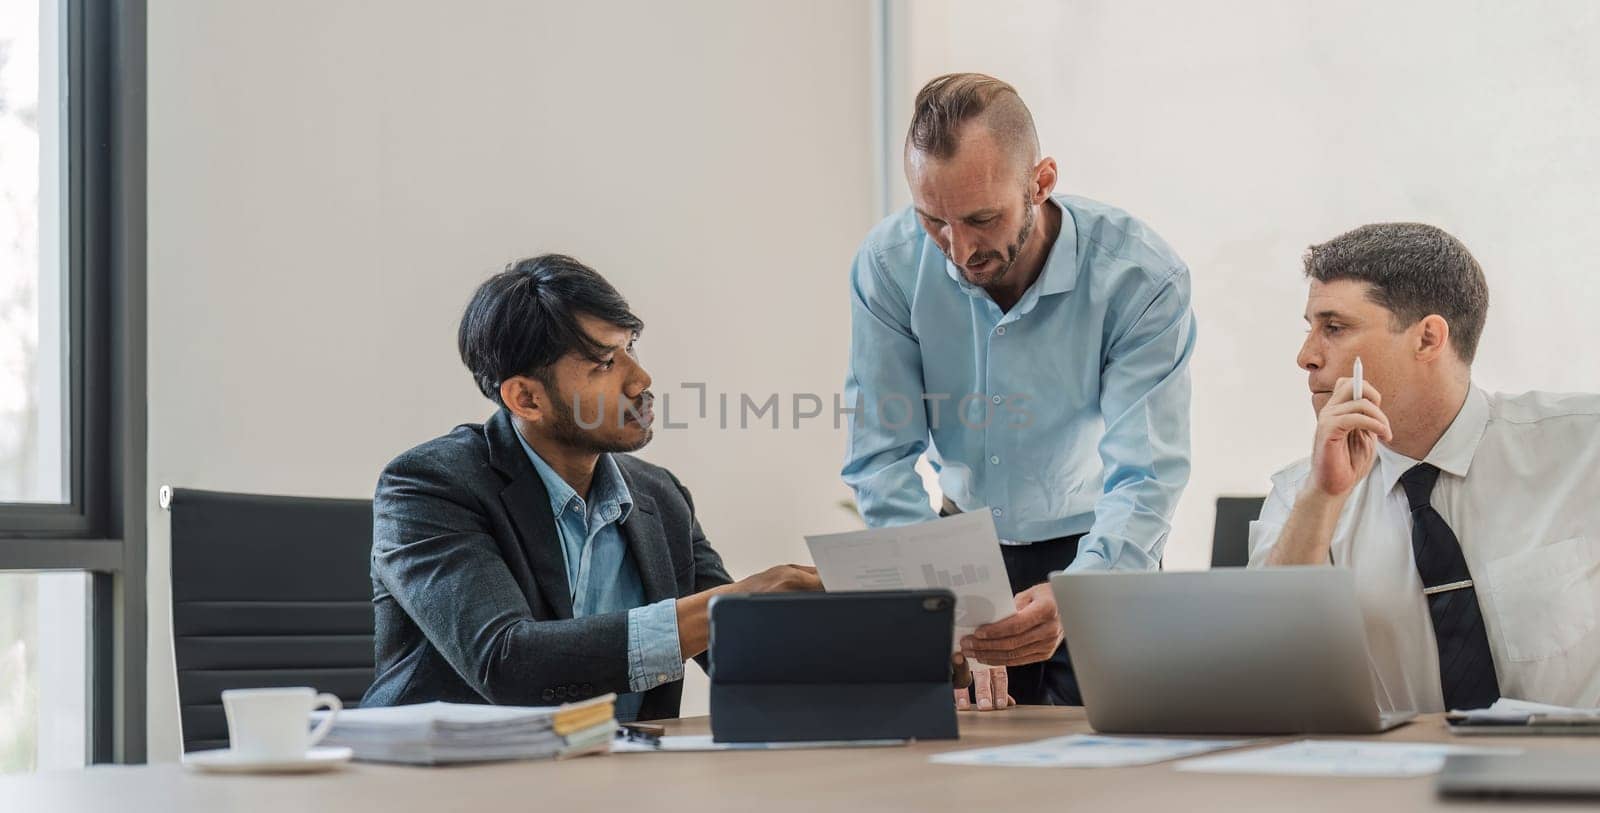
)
(1455, 449)
(1060, 272)
(607, 490)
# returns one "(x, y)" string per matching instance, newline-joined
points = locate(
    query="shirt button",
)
(1000, 331)
(548, 695)
(997, 399)
(995, 459)
(999, 512)
(662, 678)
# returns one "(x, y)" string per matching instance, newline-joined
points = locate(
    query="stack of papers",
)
(447, 733)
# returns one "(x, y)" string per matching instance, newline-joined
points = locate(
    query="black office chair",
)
(1230, 539)
(266, 591)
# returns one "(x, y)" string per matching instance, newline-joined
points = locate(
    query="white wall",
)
(1245, 131)
(329, 181)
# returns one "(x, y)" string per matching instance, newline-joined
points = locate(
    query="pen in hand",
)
(1355, 387)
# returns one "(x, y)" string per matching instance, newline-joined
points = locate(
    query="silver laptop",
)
(1226, 651)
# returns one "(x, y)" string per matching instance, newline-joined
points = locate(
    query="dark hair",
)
(525, 318)
(1414, 270)
(949, 101)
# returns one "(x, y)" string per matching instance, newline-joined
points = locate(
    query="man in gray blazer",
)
(529, 560)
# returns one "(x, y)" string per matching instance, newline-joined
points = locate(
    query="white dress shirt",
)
(1519, 485)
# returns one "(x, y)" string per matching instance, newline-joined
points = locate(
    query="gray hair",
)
(1414, 270)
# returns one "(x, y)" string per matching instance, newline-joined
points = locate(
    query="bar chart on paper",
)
(944, 578)
(960, 554)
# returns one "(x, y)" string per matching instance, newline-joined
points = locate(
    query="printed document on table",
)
(703, 742)
(1507, 709)
(1085, 751)
(1358, 758)
(959, 553)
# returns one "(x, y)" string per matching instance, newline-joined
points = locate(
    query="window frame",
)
(101, 528)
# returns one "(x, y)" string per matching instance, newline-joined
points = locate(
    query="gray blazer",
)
(469, 583)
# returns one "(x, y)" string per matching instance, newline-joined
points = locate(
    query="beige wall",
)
(1245, 130)
(329, 179)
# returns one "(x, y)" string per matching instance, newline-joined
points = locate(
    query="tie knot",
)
(1418, 483)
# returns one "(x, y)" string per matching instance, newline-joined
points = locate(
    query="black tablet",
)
(789, 667)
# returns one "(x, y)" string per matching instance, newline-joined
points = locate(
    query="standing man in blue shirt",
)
(1036, 347)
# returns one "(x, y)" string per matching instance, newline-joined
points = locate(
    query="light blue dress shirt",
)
(1067, 414)
(603, 577)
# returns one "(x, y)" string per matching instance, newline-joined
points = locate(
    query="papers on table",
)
(1508, 710)
(1508, 716)
(442, 733)
(1085, 751)
(1356, 758)
(703, 742)
(1520, 709)
(959, 553)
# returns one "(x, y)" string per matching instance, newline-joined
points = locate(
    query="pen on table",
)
(1355, 391)
(647, 734)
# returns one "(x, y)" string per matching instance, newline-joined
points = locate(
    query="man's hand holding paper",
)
(1029, 635)
(961, 554)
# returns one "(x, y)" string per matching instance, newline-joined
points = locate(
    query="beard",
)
(566, 430)
(1009, 258)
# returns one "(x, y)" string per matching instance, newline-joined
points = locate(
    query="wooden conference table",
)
(853, 779)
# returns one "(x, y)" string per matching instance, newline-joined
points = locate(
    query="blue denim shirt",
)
(1067, 414)
(603, 577)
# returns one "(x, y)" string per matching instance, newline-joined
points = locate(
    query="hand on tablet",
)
(779, 579)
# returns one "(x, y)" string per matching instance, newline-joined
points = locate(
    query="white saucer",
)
(224, 760)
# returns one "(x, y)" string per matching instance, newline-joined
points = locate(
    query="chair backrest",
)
(267, 591)
(1230, 539)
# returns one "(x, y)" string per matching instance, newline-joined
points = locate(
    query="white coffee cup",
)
(272, 724)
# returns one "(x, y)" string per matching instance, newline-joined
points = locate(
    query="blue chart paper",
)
(1085, 751)
(1362, 758)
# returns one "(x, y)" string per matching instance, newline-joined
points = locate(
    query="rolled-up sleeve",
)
(654, 657)
(1145, 450)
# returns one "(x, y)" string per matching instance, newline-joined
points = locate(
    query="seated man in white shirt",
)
(1471, 521)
